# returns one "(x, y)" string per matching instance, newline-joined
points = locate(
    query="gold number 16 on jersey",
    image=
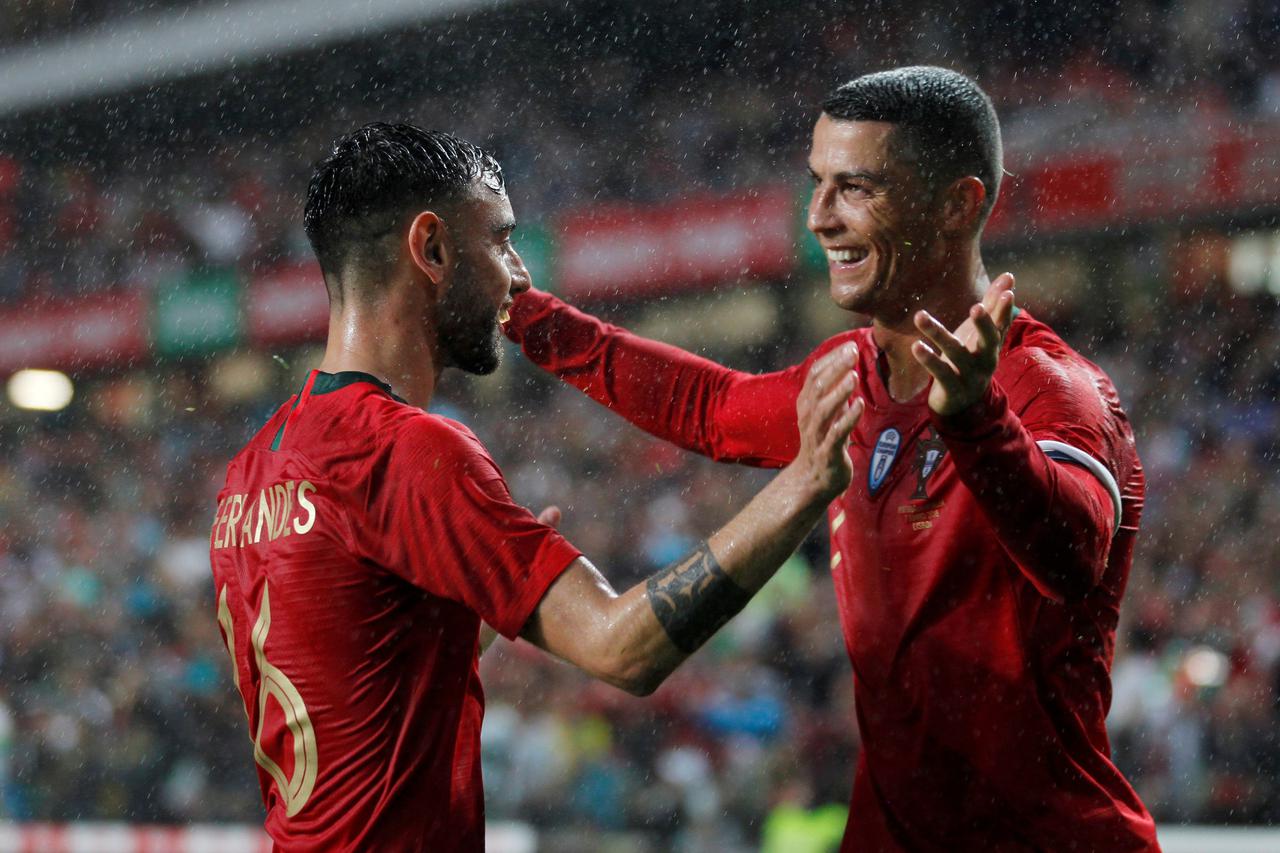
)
(295, 789)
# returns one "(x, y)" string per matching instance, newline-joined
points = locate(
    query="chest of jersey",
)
(911, 551)
(903, 480)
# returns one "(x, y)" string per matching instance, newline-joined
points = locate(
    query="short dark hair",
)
(374, 178)
(943, 115)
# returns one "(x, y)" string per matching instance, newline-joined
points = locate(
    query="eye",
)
(857, 189)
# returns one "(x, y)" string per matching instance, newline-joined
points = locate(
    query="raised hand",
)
(826, 415)
(963, 363)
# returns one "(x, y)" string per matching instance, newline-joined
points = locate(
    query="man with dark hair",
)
(360, 542)
(946, 127)
(980, 556)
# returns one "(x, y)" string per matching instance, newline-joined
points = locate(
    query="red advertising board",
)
(91, 331)
(1151, 180)
(626, 250)
(289, 305)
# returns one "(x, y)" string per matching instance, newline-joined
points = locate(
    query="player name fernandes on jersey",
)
(281, 509)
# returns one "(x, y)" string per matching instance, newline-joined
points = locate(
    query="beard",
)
(468, 330)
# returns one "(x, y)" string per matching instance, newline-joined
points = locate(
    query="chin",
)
(859, 299)
(482, 363)
(479, 358)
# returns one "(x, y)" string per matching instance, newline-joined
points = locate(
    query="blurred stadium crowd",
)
(115, 698)
(607, 116)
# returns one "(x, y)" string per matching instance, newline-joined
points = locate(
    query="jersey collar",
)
(326, 383)
(319, 383)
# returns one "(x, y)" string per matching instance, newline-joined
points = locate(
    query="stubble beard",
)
(468, 331)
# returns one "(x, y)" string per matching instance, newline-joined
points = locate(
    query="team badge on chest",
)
(929, 455)
(882, 458)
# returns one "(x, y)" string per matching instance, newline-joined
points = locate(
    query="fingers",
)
(827, 372)
(1002, 284)
(838, 433)
(991, 318)
(834, 402)
(988, 335)
(828, 369)
(825, 412)
(1002, 313)
(942, 340)
(550, 516)
(942, 371)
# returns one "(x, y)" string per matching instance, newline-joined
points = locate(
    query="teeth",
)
(845, 256)
(504, 316)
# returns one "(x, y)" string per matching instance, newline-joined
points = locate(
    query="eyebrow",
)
(874, 177)
(505, 226)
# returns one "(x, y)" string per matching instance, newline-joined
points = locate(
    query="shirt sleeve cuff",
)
(981, 420)
(526, 309)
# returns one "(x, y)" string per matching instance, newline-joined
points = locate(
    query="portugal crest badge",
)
(929, 455)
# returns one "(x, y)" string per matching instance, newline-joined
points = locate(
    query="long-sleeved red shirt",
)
(978, 561)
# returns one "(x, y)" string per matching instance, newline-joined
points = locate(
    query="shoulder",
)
(435, 444)
(1063, 397)
(861, 337)
(1038, 366)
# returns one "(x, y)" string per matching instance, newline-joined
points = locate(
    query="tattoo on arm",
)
(693, 597)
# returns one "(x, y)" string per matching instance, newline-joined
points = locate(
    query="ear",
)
(429, 246)
(962, 204)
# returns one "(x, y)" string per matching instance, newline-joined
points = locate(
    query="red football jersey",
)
(358, 543)
(978, 562)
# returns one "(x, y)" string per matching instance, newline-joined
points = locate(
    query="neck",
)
(388, 341)
(949, 300)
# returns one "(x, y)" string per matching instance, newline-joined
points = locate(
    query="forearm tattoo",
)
(693, 597)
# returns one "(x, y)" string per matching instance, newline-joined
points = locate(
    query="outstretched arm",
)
(672, 394)
(636, 639)
(1054, 518)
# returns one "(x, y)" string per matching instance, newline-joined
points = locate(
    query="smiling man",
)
(980, 556)
(360, 541)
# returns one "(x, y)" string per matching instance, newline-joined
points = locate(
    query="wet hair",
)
(943, 118)
(373, 180)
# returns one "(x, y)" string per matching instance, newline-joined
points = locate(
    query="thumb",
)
(550, 516)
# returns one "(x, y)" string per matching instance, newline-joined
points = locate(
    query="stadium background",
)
(150, 246)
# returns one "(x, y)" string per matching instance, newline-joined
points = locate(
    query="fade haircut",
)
(946, 121)
(373, 180)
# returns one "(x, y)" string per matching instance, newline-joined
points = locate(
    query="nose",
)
(520, 278)
(821, 218)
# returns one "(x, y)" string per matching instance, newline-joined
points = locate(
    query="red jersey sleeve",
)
(1044, 453)
(689, 401)
(448, 525)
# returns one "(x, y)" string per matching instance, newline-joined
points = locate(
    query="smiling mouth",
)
(846, 256)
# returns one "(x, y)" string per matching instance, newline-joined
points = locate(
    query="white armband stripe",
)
(1060, 452)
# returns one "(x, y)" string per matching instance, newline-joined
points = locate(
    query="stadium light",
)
(1207, 667)
(40, 390)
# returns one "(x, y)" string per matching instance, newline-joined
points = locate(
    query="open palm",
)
(962, 363)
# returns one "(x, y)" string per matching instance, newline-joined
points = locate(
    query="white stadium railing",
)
(500, 838)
